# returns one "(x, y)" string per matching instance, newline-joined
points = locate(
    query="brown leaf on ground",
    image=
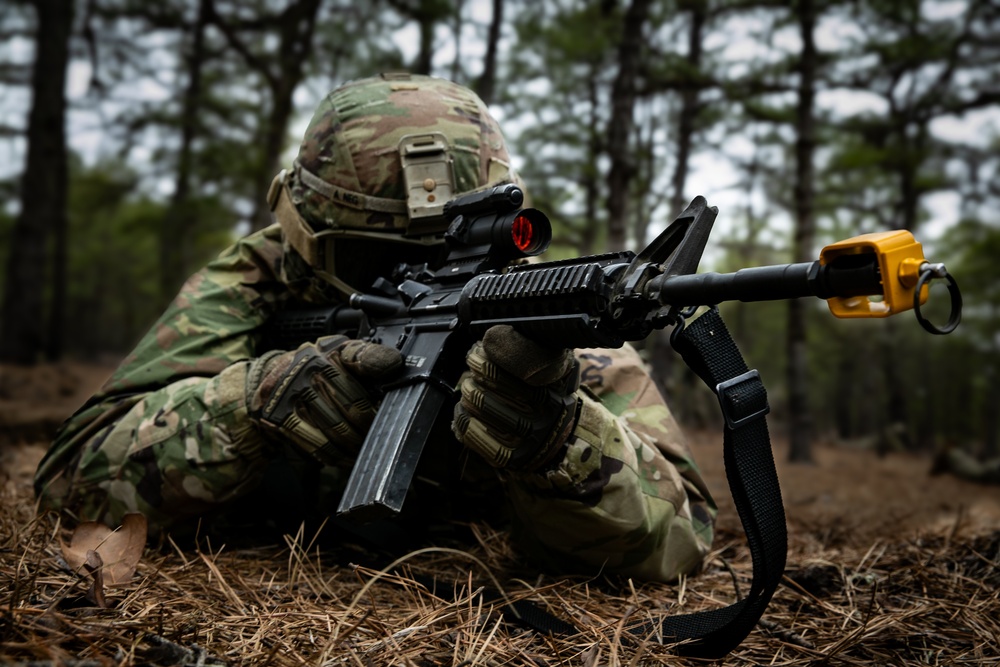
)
(120, 550)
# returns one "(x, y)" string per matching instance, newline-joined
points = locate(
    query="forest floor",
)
(887, 565)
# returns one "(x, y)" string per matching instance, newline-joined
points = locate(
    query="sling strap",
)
(709, 350)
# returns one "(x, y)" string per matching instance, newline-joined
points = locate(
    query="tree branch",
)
(252, 60)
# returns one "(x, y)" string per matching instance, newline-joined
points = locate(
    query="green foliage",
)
(561, 60)
(857, 156)
(113, 255)
(975, 244)
(759, 110)
(972, 248)
(354, 40)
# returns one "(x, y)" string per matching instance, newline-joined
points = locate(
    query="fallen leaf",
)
(119, 550)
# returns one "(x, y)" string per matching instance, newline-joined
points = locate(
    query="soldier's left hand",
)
(519, 402)
(319, 396)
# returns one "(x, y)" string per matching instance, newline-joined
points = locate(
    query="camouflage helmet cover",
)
(349, 172)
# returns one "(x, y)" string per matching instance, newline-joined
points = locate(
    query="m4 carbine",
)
(432, 315)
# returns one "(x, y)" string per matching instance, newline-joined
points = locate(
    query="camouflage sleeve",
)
(627, 496)
(168, 434)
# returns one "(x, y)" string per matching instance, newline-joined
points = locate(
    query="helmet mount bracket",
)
(428, 172)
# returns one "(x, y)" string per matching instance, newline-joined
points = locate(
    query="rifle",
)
(432, 315)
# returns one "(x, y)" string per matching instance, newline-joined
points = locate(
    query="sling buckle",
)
(743, 399)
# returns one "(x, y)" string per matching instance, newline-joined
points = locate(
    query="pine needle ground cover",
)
(886, 565)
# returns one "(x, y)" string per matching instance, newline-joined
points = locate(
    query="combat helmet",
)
(379, 160)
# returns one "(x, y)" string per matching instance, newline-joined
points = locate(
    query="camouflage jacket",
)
(168, 435)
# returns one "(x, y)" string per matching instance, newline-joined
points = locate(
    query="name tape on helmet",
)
(349, 198)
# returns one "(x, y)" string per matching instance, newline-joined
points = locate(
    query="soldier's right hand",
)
(320, 396)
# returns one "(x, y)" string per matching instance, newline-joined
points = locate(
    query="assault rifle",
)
(433, 314)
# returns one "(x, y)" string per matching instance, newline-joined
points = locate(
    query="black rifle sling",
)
(709, 350)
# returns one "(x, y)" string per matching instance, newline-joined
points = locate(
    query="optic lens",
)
(523, 233)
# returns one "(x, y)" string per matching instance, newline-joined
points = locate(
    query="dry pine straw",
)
(930, 600)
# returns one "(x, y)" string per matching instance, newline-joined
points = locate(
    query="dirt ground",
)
(855, 496)
(853, 518)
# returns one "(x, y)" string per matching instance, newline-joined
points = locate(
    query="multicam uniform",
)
(172, 433)
(169, 436)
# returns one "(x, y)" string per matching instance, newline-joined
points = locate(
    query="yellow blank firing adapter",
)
(904, 275)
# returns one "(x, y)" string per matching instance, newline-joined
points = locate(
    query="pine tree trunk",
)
(661, 356)
(456, 64)
(689, 111)
(591, 188)
(620, 127)
(44, 186)
(175, 234)
(896, 413)
(297, 27)
(800, 422)
(845, 387)
(425, 56)
(991, 421)
(487, 80)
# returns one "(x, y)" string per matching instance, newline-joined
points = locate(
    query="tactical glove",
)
(316, 396)
(519, 403)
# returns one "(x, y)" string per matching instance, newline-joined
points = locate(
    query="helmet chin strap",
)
(300, 235)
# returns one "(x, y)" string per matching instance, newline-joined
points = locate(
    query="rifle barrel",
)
(856, 277)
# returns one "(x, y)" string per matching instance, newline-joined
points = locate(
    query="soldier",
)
(198, 424)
